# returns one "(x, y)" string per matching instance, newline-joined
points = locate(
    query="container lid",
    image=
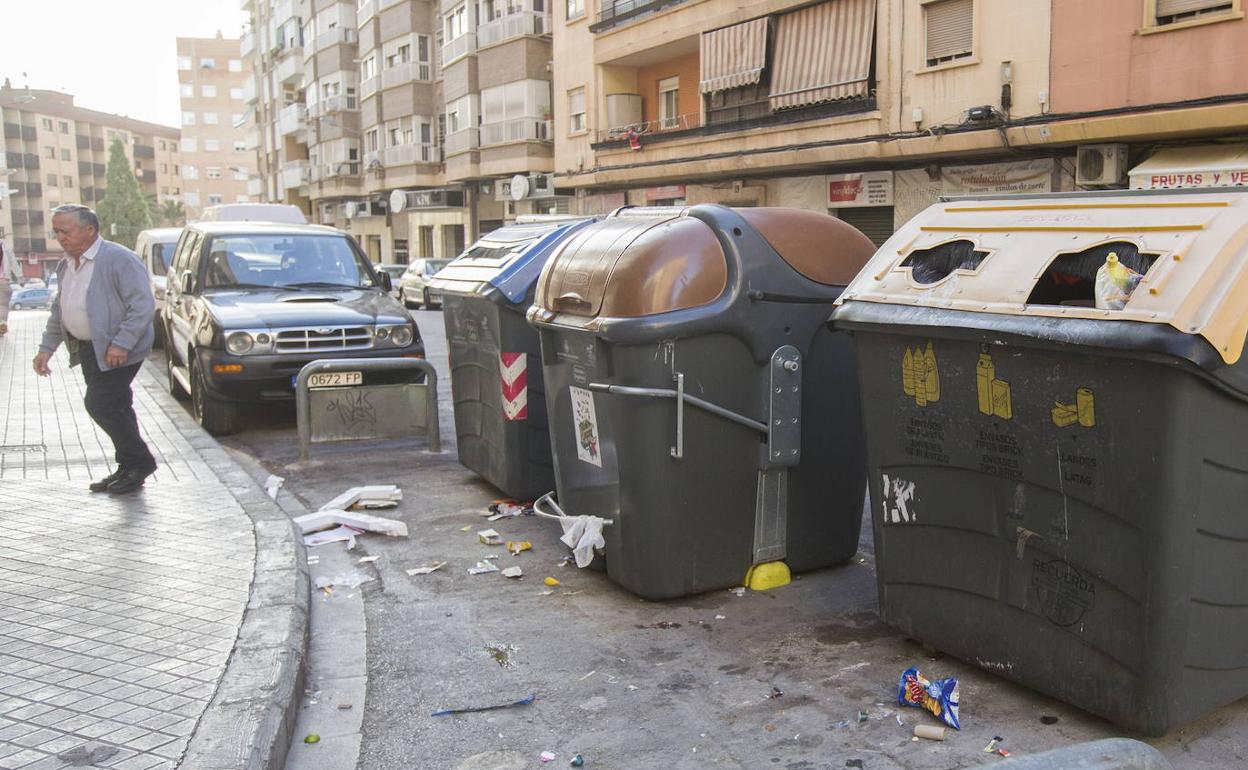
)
(637, 262)
(509, 258)
(1038, 256)
(803, 239)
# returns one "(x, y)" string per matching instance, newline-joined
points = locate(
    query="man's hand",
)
(41, 363)
(115, 356)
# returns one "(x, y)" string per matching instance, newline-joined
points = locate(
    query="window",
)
(1176, 11)
(67, 181)
(235, 65)
(51, 180)
(212, 145)
(164, 168)
(65, 154)
(236, 94)
(576, 110)
(63, 126)
(190, 172)
(240, 174)
(50, 152)
(456, 23)
(402, 55)
(209, 92)
(212, 172)
(669, 103)
(422, 56)
(215, 200)
(368, 67)
(173, 147)
(370, 140)
(187, 90)
(576, 9)
(192, 199)
(210, 118)
(184, 63)
(950, 30)
(46, 123)
(190, 144)
(207, 64)
(163, 145)
(240, 145)
(188, 118)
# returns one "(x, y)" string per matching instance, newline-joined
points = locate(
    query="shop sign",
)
(666, 192)
(872, 188)
(1026, 176)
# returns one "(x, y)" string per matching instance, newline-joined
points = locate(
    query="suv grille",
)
(323, 338)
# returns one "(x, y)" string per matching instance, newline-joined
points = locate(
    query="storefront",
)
(1210, 165)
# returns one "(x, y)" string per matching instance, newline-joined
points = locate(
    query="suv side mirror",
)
(387, 285)
(187, 282)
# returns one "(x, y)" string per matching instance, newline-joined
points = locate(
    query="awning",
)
(823, 53)
(1208, 165)
(733, 56)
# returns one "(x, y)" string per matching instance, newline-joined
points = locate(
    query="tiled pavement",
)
(118, 614)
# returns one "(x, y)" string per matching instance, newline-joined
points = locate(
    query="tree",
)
(173, 213)
(123, 210)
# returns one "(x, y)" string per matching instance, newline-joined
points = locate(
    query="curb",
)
(250, 720)
(1107, 754)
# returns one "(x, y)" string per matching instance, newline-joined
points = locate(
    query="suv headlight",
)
(239, 343)
(401, 336)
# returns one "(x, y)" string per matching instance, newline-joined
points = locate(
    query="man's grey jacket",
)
(120, 306)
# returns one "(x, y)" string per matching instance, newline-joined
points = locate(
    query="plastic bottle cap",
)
(1113, 257)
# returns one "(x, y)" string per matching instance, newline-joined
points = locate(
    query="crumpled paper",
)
(583, 534)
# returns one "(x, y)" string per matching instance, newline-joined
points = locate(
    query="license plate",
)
(335, 379)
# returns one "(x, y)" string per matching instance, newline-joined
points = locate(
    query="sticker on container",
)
(993, 394)
(920, 377)
(513, 370)
(585, 420)
(1064, 592)
(899, 501)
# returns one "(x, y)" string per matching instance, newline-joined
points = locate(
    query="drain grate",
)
(23, 449)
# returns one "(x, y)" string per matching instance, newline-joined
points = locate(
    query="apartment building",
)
(872, 109)
(415, 124)
(216, 162)
(56, 152)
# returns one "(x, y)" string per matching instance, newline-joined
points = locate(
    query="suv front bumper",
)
(271, 377)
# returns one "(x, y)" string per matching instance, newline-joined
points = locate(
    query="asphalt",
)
(162, 629)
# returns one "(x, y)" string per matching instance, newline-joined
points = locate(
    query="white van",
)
(281, 213)
(155, 250)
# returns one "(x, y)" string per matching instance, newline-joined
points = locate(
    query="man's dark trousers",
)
(110, 403)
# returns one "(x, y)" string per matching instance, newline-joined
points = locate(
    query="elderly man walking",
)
(103, 314)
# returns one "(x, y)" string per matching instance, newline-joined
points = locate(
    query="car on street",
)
(31, 297)
(396, 274)
(155, 250)
(414, 287)
(284, 213)
(248, 304)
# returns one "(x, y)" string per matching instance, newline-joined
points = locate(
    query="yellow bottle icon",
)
(907, 373)
(1085, 406)
(985, 373)
(931, 377)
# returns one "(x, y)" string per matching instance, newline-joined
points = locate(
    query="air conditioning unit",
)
(521, 186)
(1101, 164)
(360, 209)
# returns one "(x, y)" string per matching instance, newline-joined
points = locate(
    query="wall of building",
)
(686, 68)
(1101, 59)
(230, 160)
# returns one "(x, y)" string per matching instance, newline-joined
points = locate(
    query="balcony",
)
(513, 25)
(147, 176)
(459, 48)
(332, 104)
(144, 151)
(289, 69)
(332, 37)
(282, 10)
(84, 142)
(292, 119)
(364, 12)
(99, 169)
(369, 87)
(84, 168)
(295, 173)
(406, 154)
(255, 186)
(251, 140)
(247, 45)
(404, 73)
(249, 90)
(619, 11)
(462, 141)
(517, 130)
(341, 169)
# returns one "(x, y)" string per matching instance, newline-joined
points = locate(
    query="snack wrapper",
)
(939, 697)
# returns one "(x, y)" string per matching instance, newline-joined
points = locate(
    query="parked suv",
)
(248, 304)
(414, 285)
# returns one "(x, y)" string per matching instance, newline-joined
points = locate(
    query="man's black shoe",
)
(103, 484)
(130, 480)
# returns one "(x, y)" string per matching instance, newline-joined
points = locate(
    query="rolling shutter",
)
(950, 29)
(1175, 7)
(875, 222)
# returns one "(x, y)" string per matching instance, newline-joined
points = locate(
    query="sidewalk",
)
(140, 631)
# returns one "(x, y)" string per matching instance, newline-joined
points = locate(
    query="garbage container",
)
(496, 373)
(1058, 490)
(697, 400)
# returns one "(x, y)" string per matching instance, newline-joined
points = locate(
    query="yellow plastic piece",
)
(768, 575)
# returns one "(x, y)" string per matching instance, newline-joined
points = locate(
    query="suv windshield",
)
(284, 261)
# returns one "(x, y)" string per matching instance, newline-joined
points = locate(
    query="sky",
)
(116, 56)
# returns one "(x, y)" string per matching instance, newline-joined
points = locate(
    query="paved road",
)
(628, 683)
(121, 613)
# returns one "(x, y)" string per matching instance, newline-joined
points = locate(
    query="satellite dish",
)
(519, 187)
(398, 201)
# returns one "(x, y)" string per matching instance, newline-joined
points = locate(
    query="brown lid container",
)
(820, 247)
(635, 265)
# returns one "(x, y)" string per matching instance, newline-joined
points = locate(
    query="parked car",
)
(414, 286)
(249, 304)
(155, 249)
(31, 297)
(284, 213)
(396, 275)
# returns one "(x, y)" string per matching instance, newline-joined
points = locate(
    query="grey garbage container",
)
(1058, 489)
(697, 399)
(495, 356)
